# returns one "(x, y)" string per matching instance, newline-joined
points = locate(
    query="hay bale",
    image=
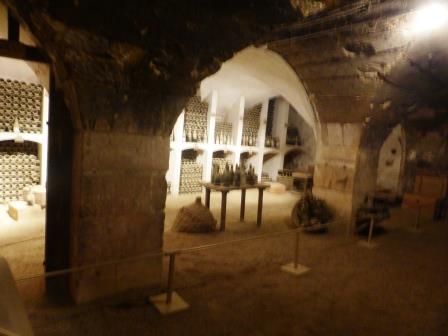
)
(194, 218)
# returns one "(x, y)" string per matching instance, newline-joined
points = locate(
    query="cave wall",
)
(335, 167)
(374, 74)
(427, 151)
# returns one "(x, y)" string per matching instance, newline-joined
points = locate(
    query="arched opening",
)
(24, 109)
(253, 111)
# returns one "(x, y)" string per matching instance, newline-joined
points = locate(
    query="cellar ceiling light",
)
(430, 17)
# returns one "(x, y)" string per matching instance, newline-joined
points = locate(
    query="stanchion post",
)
(169, 287)
(419, 211)
(296, 250)
(295, 268)
(368, 243)
(369, 238)
(169, 302)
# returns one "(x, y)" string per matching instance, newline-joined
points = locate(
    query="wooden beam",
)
(15, 49)
(13, 27)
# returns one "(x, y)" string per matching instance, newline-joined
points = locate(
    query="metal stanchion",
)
(419, 212)
(369, 243)
(415, 227)
(295, 268)
(169, 302)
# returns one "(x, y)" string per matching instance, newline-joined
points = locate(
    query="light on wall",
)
(430, 17)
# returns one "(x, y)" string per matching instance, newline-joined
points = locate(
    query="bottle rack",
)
(251, 125)
(22, 102)
(195, 124)
(230, 136)
(221, 163)
(223, 133)
(190, 176)
(19, 167)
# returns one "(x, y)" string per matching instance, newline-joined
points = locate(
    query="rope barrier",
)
(159, 254)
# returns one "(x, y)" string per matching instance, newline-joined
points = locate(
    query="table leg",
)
(223, 210)
(260, 206)
(207, 197)
(243, 204)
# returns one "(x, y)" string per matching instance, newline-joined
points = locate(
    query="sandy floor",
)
(399, 288)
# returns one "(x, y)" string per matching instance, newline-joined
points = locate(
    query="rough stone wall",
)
(335, 168)
(122, 195)
(370, 73)
(426, 151)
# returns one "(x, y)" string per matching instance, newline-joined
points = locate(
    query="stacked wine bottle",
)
(251, 124)
(221, 163)
(19, 167)
(190, 177)
(223, 133)
(22, 102)
(195, 122)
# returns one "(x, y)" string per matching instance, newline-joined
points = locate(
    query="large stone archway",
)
(122, 73)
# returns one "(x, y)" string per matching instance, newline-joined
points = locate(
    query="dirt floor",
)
(398, 288)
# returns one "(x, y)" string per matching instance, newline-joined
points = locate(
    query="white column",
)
(263, 121)
(176, 159)
(211, 121)
(240, 121)
(281, 115)
(262, 137)
(43, 149)
(239, 129)
(211, 117)
(178, 129)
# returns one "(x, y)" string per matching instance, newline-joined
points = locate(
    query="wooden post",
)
(207, 197)
(417, 225)
(369, 238)
(243, 204)
(260, 206)
(169, 289)
(223, 210)
(296, 251)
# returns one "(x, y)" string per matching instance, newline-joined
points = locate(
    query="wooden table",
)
(224, 190)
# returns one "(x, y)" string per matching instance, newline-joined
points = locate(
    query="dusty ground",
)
(399, 288)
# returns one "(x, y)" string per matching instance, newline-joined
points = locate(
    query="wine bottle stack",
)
(195, 122)
(265, 177)
(251, 125)
(19, 168)
(223, 133)
(22, 102)
(221, 163)
(190, 177)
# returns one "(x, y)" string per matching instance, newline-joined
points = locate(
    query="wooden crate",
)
(427, 204)
(432, 185)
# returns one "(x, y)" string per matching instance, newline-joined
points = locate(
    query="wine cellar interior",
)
(261, 137)
(289, 158)
(24, 109)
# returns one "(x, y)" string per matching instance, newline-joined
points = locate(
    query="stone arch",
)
(271, 74)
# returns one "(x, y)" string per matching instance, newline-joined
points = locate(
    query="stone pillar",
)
(336, 165)
(120, 198)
